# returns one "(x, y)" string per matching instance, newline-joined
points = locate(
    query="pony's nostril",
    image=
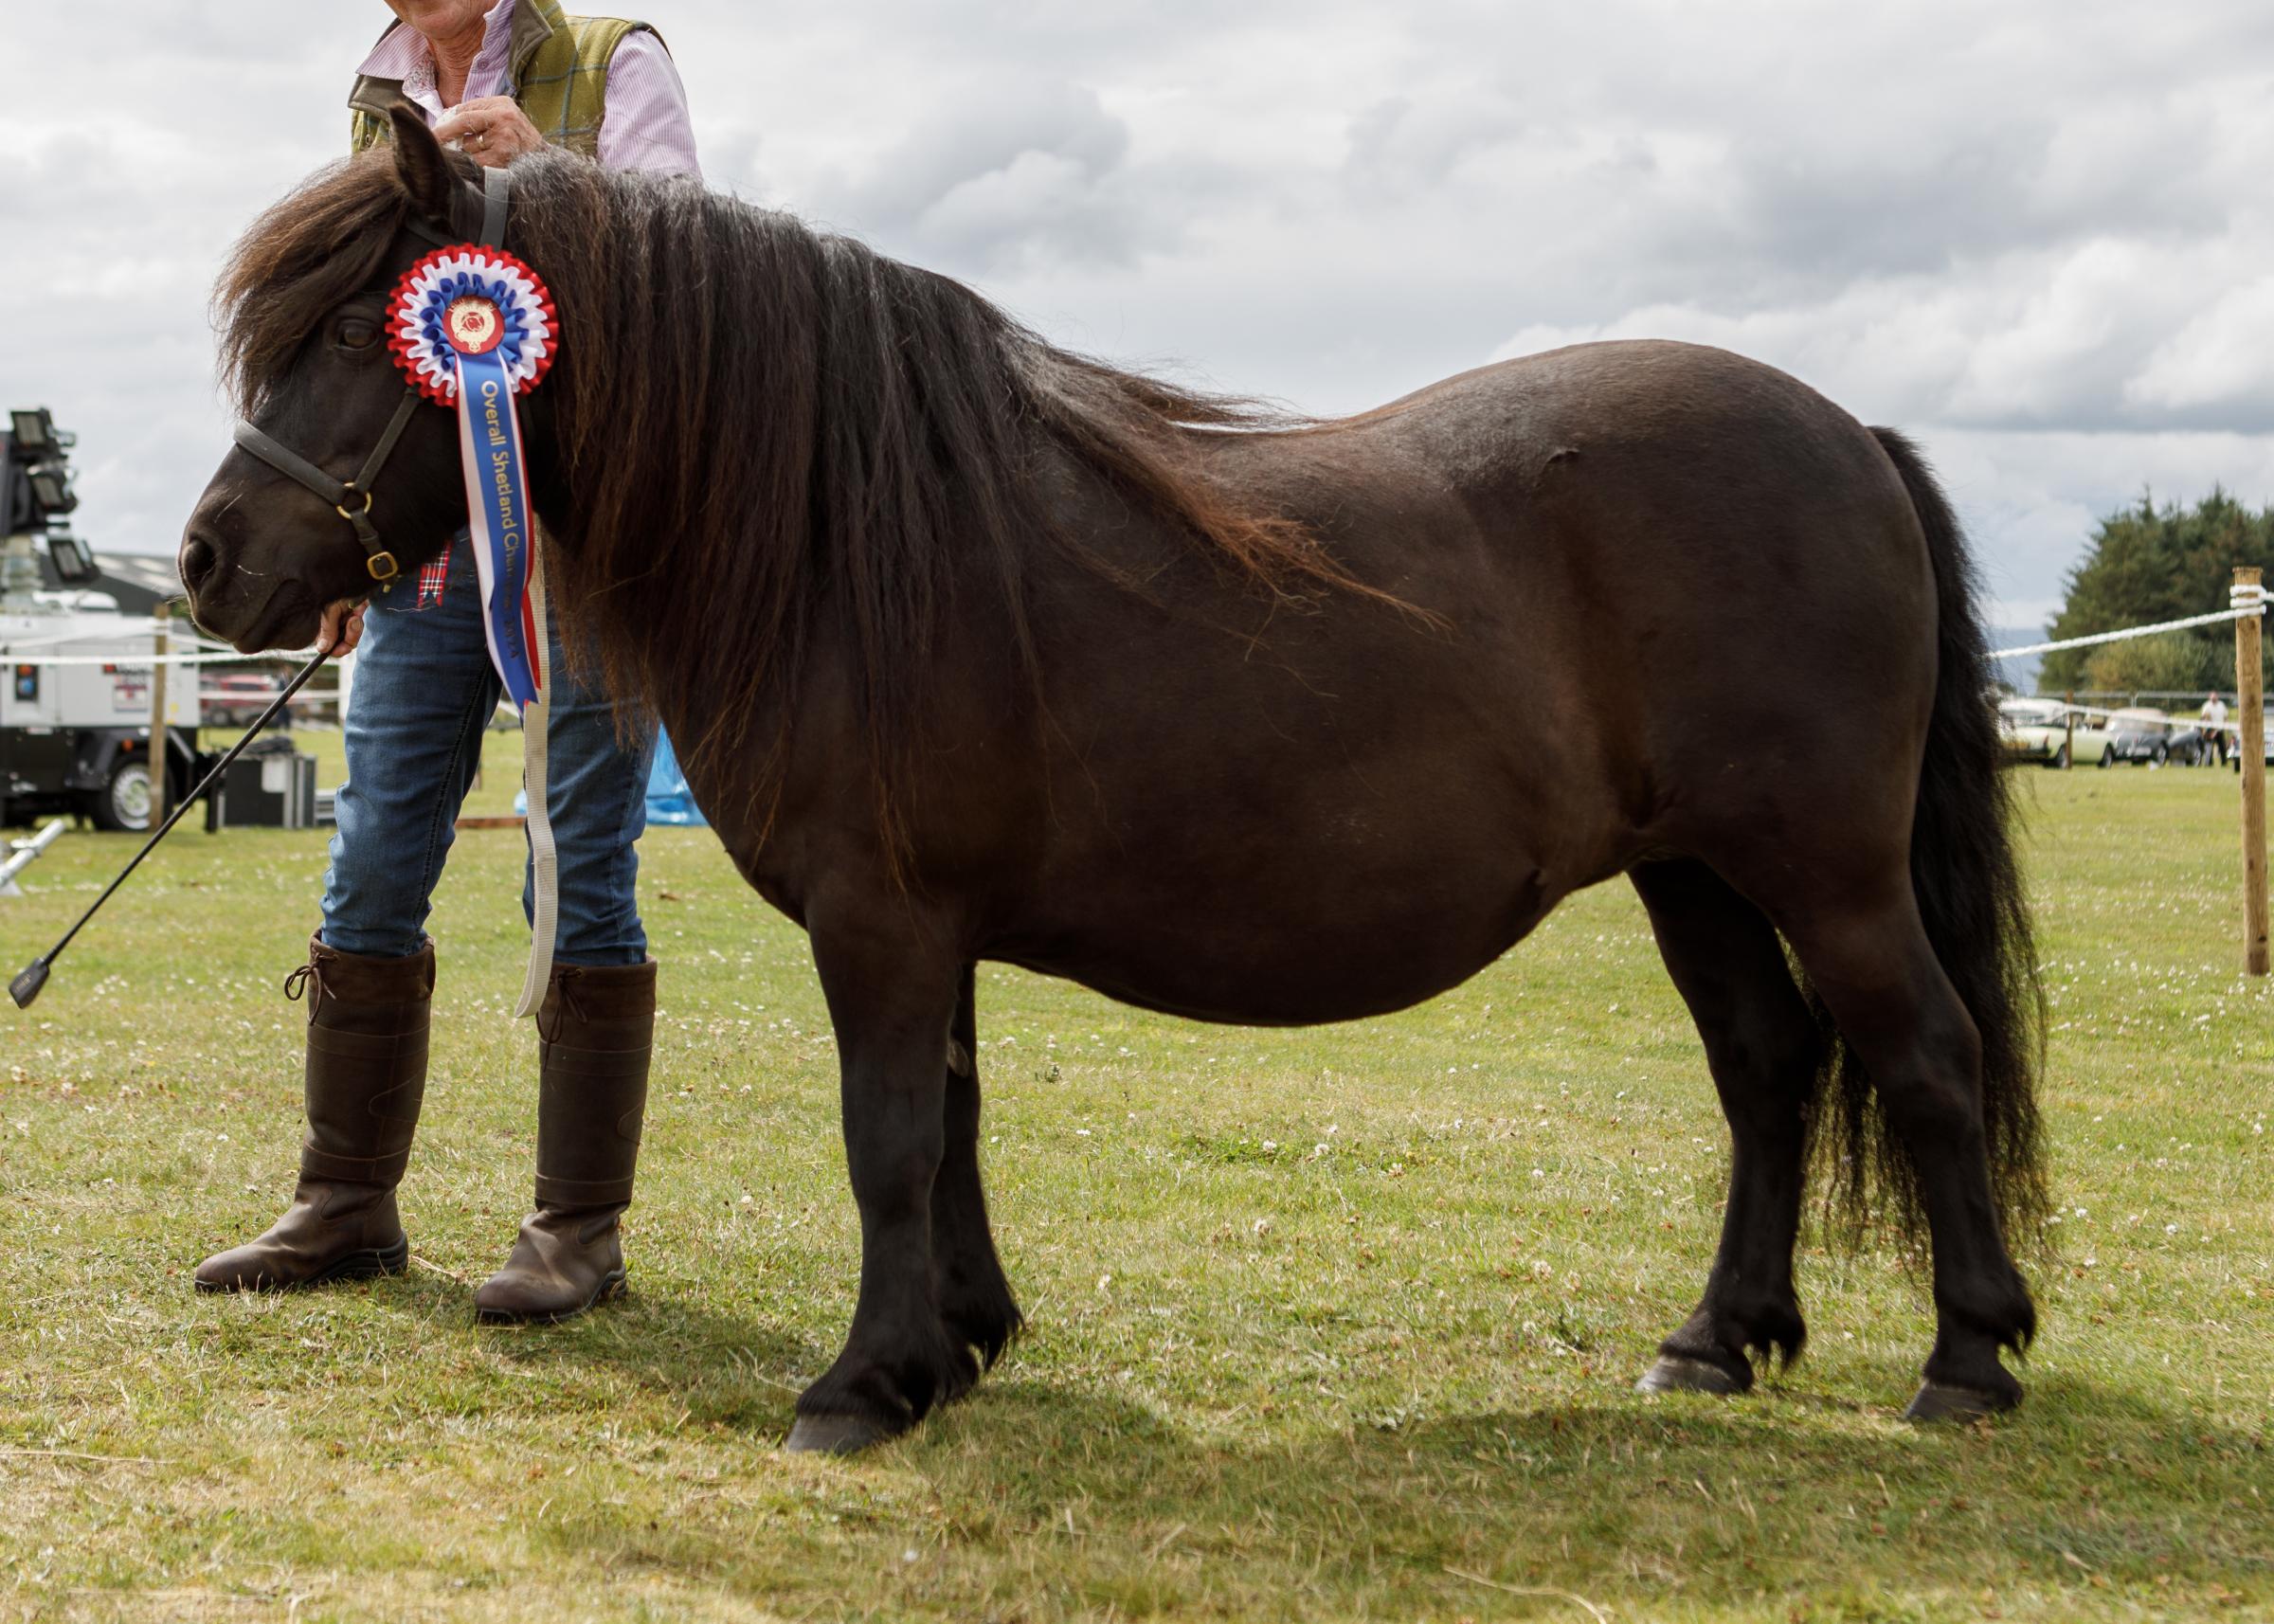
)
(198, 562)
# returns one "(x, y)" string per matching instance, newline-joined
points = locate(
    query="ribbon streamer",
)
(498, 509)
(472, 327)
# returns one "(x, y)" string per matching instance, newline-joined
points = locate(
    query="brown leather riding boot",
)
(366, 1074)
(594, 1033)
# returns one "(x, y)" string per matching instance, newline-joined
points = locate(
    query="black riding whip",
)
(34, 976)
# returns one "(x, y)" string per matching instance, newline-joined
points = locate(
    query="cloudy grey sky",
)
(2038, 232)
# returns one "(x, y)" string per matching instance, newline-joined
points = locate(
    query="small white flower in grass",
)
(1540, 1270)
(750, 1200)
(908, 1556)
(1105, 1282)
(2171, 1229)
(1263, 1226)
(1270, 1146)
(1538, 1174)
(1081, 1134)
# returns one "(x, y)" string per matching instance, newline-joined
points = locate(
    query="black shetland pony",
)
(977, 649)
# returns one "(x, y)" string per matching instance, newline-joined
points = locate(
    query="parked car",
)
(2146, 734)
(237, 699)
(2191, 744)
(2039, 730)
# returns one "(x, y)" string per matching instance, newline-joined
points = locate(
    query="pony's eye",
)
(355, 334)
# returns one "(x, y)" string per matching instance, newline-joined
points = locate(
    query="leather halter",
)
(351, 499)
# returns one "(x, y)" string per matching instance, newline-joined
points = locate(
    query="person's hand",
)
(491, 130)
(341, 627)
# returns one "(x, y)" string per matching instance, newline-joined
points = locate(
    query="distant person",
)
(497, 79)
(2214, 724)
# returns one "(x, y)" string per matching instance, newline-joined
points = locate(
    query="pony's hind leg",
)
(1866, 951)
(892, 1000)
(975, 1300)
(1764, 1050)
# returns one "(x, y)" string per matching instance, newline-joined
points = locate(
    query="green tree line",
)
(2146, 564)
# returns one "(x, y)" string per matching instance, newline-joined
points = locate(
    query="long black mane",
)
(755, 411)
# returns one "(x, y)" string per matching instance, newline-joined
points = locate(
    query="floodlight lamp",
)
(34, 431)
(74, 565)
(52, 491)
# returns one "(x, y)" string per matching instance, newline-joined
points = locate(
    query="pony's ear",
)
(422, 166)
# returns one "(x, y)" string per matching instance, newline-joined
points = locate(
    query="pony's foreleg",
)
(975, 1299)
(1764, 1050)
(892, 999)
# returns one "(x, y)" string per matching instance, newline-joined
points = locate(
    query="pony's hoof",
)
(833, 1435)
(1939, 1401)
(1674, 1374)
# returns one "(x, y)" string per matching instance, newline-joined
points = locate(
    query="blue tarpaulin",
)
(669, 800)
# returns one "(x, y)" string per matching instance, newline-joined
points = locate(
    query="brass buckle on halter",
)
(381, 566)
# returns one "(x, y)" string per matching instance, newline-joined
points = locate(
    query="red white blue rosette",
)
(471, 327)
(471, 299)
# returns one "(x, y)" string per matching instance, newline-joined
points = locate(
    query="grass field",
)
(1333, 1324)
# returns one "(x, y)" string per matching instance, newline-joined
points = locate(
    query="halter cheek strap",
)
(351, 499)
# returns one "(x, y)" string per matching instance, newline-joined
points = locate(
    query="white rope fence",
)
(2249, 604)
(2165, 719)
(10, 657)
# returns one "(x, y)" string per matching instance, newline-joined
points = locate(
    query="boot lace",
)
(308, 979)
(565, 985)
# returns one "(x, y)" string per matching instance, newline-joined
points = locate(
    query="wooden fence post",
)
(162, 643)
(2250, 727)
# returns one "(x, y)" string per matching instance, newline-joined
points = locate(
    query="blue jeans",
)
(423, 697)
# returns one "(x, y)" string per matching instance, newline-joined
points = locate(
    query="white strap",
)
(543, 861)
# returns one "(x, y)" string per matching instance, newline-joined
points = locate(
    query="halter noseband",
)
(351, 499)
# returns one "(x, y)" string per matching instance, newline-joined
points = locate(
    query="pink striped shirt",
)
(645, 125)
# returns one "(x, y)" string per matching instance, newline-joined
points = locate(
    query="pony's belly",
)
(1351, 954)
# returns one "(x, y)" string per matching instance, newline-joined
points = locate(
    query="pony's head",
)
(301, 308)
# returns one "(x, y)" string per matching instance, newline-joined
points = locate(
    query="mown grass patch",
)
(1326, 1324)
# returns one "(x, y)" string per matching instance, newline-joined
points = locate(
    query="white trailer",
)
(75, 718)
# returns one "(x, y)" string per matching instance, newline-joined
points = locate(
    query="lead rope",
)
(544, 860)
(537, 717)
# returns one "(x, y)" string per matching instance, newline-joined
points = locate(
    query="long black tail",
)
(1969, 894)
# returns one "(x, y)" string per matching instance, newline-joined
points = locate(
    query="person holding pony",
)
(498, 80)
